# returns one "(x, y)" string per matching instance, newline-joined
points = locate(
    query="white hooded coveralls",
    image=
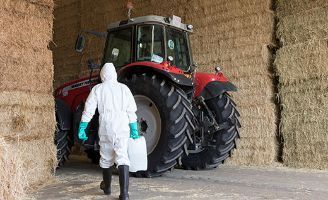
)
(117, 108)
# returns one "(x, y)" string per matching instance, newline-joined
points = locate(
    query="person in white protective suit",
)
(117, 122)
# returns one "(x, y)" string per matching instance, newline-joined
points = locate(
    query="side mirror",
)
(80, 43)
(92, 65)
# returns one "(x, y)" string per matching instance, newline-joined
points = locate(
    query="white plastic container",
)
(137, 151)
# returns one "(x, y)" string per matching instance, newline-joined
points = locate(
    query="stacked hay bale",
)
(236, 35)
(301, 64)
(27, 152)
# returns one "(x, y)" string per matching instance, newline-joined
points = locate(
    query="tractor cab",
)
(150, 38)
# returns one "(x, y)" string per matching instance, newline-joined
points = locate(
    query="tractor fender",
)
(175, 75)
(216, 88)
(63, 115)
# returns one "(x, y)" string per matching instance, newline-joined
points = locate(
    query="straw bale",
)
(226, 9)
(13, 186)
(304, 26)
(33, 69)
(302, 61)
(26, 123)
(258, 128)
(36, 8)
(27, 171)
(292, 7)
(37, 169)
(312, 86)
(20, 31)
(305, 101)
(254, 151)
(213, 24)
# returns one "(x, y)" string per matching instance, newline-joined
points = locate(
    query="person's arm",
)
(89, 110)
(132, 107)
(131, 112)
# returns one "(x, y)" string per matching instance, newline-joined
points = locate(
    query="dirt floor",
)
(80, 179)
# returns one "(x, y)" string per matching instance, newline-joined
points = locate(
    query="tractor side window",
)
(119, 47)
(150, 43)
(177, 48)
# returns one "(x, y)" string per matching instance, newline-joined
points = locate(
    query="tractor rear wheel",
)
(64, 143)
(163, 111)
(224, 110)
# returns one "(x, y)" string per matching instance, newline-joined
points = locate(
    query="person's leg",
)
(105, 185)
(123, 171)
(106, 163)
(123, 162)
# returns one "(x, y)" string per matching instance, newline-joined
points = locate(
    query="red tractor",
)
(187, 117)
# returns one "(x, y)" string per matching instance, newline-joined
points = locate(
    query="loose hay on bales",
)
(303, 82)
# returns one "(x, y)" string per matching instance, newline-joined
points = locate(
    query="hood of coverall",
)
(108, 73)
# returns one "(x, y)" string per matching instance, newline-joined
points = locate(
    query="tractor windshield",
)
(152, 42)
(177, 48)
(119, 47)
(150, 45)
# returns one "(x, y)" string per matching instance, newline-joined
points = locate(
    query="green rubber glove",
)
(134, 130)
(82, 134)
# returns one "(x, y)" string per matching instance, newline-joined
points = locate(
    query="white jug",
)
(137, 151)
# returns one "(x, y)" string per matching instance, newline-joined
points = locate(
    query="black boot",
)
(107, 179)
(123, 171)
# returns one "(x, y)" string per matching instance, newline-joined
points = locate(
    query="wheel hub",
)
(149, 121)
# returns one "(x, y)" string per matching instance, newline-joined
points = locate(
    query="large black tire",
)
(224, 110)
(64, 143)
(174, 109)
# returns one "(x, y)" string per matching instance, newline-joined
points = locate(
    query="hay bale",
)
(302, 61)
(28, 164)
(304, 26)
(260, 151)
(12, 187)
(295, 7)
(303, 82)
(27, 150)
